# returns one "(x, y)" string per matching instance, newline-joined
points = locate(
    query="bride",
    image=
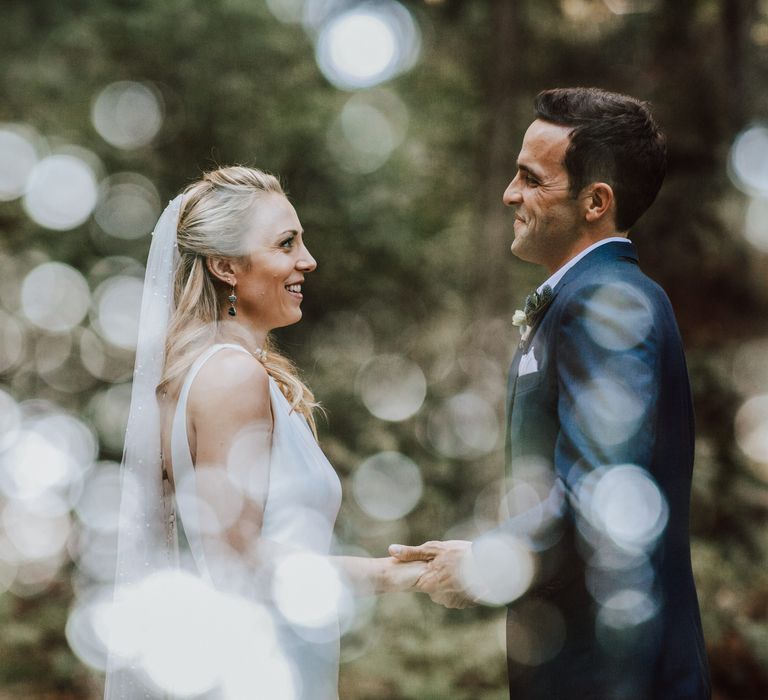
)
(215, 404)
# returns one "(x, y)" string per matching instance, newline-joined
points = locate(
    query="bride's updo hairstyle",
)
(213, 222)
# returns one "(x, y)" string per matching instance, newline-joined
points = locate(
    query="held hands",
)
(441, 578)
(401, 576)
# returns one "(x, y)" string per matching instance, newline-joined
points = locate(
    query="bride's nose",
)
(306, 263)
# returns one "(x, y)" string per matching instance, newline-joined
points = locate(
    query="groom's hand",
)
(442, 579)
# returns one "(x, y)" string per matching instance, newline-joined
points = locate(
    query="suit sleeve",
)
(608, 382)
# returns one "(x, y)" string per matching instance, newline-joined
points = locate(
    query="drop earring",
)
(232, 298)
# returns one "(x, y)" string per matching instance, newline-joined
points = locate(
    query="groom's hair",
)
(614, 139)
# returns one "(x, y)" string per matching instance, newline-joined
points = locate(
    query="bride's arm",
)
(232, 429)
(230, 439)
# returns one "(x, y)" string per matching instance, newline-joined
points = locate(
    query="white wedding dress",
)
(302, 502)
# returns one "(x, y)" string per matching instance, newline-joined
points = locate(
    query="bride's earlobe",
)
(221, 269)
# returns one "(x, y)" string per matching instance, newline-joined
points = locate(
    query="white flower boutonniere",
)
(535, 303)
(519, 319)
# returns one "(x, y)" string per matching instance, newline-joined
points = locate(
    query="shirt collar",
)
(557, 276)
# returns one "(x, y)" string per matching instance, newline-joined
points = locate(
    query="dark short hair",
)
(614, 139)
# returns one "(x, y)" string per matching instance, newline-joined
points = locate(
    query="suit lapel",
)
(511, 384)
(512, 378)
(596, 257)
(599, 256)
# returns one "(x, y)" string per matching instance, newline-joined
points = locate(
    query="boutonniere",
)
(535, 303)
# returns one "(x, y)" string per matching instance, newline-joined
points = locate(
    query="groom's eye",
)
(530, 180)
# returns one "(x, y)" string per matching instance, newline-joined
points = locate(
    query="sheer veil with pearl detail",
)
(147, 538)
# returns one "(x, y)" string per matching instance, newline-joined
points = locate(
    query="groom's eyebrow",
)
(527, 169)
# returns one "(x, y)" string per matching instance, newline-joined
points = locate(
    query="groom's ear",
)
(222, 269)
(599, 201)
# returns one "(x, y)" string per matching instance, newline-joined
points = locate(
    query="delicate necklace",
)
(259, 354)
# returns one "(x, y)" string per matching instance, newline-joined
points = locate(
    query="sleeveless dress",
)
(302, 503)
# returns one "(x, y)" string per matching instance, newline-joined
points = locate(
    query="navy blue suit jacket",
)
(606, 424)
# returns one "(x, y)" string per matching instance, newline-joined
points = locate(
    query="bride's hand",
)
(402, 576)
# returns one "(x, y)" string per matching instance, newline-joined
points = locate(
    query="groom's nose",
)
(512, 194)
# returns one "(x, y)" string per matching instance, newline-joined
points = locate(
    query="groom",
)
(594, 558)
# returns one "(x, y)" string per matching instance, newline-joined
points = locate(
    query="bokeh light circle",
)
(369, 128)
(307, 590)
(533, 499)
(618, 317)
(18, 157)
(117, 308)
(109, 410)
(343, 339)
(756, 223)
(81, 633)
(752, 428)
(288, 11)
(190, 638)
(748, 162)
(95, 554)
(499, 569)
(627, 608)
(52, 350)
(55, 297)
(35, 536)
(367, 45)
(392, 387)
(61, 192)
(129, 206)
(624, 503)
(214, 495)
(98, 506)
(628, 7)
(536, 632)
(387, 485)
(608, 411)
(35, 575)
(611, 569)
(464, 426)
(10, 420)
(127, 114)
(12, 342)
(172, 621)
(48, 458)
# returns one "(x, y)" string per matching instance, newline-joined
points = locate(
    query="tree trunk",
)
(492, 260)
(736, 19)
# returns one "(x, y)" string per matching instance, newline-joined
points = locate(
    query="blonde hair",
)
(212, 223)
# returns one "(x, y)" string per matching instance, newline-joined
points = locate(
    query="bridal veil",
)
(147, 538)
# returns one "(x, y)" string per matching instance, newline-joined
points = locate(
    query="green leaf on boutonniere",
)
(535, 303)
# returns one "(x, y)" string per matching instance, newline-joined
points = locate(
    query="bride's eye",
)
(287, 243)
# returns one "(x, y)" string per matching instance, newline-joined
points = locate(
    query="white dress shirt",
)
(528, 363)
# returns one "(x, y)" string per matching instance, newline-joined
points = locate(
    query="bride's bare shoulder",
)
(230, 383)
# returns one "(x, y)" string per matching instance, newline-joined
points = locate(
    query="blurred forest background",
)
(394, 127)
